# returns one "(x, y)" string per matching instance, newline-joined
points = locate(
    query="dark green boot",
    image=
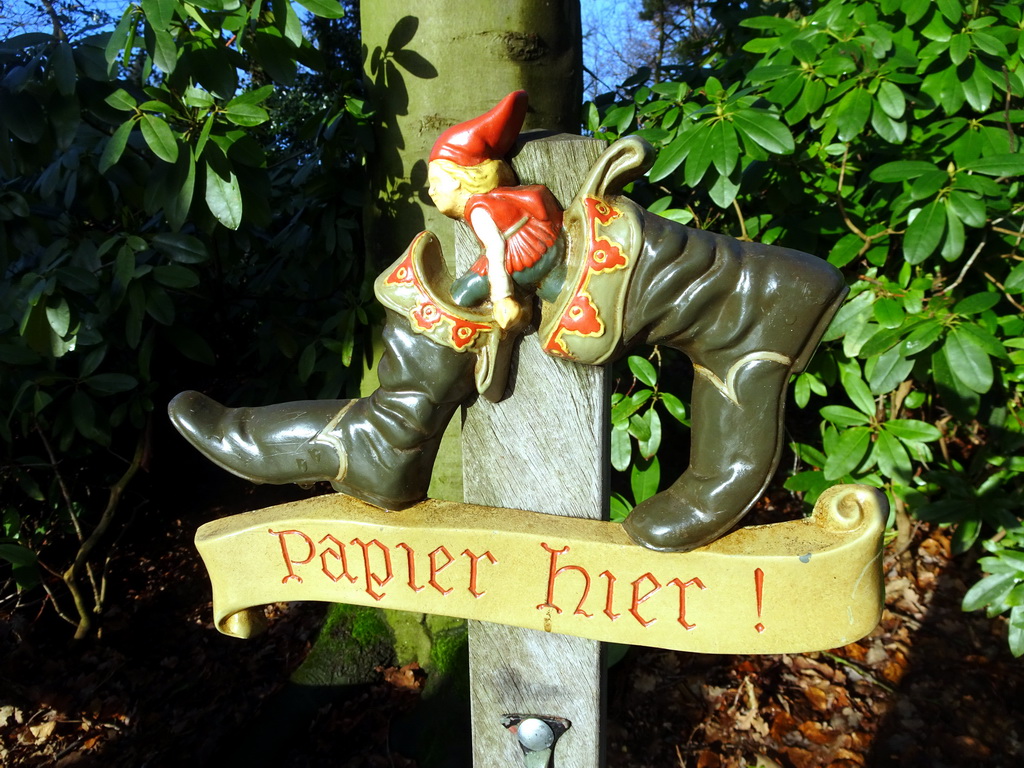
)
(748, 316)
(379, 448)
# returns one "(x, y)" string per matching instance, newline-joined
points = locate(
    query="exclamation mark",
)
(759, 588)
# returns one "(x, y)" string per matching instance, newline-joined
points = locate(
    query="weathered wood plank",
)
(543, 448)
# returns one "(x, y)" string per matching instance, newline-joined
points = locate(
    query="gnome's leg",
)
(379, 448)
(748, 316)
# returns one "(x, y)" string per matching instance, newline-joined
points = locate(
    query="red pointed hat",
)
(487, 137)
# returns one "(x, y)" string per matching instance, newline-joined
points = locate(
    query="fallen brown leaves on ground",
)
(931, 686)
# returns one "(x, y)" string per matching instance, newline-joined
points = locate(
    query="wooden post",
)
(543, 448)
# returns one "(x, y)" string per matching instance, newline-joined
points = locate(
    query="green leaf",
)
(1015, 280)
(180, 188)
(977, 88)
(307, 360)
(111, 383)
(891, 99)
(1015, 632)
(893, 131)
(953, 244)
(849, 452)
(723, 189)
(989, 590)
(115, 146)
(985, 341)
(959, 48)
(639, 428)
(927, 184)
(764, 129)
(224, 198)
(675, 407)
(956, 396)
(922, 337)
(64, 72)
(889, 312)
(967, 362)
(626, 407)
(997, 165)
(644, 370)
(924, 233)
(951, 9)
(650, 446)
(856, 389)
(197, 97)
(255, 96)
(120, 36)
(845, 250)
(851, 113)
(901, 170)
(288, 21)
(184, 249)
(159, 137)
(704, 150)
(16, 554)
(890, 370)
(164, 52)
(672, 156)
(621, 449)
(121, 100)
(328, 9)
(247, 115)
(645, 478)
(968, 208)
(175, 276)
(619, 508)
(727, 148)
(976, 303)
(842, 416)
(893, 460)
(913, 430)
(159, 12)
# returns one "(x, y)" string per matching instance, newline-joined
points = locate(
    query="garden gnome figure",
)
(608, 275)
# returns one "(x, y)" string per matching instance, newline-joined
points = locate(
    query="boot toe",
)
(667, 522)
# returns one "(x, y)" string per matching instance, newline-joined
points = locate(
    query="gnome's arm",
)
(506, 310)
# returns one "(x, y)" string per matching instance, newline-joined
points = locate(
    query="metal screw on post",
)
(536, 735)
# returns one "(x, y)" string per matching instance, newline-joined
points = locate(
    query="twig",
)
(113, 500)
(1002, 288)
(967, 266)
(839, 201)
(56, 605)
(58, 28)
(859, 669)
(60, 482)
(743, 224)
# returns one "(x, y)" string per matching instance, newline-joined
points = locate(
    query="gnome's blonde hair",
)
(481, 178)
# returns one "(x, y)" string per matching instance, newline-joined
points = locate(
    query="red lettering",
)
(412, 566)
(436, 569)
(338, 554)
(474, 562)
(637, 600)
(554, 572)
(289, 561)
(694, 582)
(372, 578)
(608, 601)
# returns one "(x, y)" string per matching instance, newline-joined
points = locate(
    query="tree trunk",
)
(453, 61)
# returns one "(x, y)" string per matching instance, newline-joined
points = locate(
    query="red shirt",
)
(528, 218)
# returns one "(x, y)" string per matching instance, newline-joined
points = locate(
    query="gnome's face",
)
(446, 192)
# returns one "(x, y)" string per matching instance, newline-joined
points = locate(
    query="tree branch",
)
(113, 501)
(58, 28)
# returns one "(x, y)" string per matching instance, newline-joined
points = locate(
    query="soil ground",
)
(931, 686)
